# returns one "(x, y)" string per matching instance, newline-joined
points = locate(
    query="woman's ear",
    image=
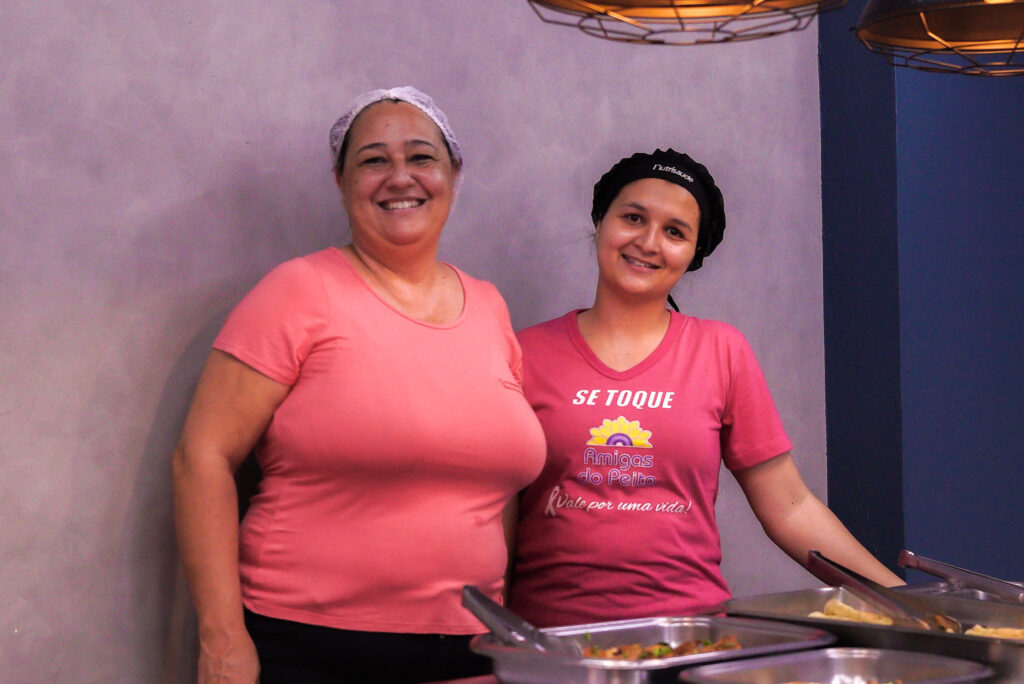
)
(337, 178)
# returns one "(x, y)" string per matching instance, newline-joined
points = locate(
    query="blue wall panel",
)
(923, 228)
(961, 217)
(860, 264)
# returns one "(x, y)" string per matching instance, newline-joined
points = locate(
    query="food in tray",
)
(662, 649)
(837, 610)
(996, 632)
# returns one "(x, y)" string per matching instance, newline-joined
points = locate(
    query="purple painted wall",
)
(158, 158)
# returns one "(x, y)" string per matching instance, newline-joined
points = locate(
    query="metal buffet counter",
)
(855, 632)
(515, 664)
(1004, 656)
(779, 639)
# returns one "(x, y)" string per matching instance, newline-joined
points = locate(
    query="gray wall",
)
(157, 158)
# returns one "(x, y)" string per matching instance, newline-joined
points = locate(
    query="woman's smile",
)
(639, 263)
(395, 205)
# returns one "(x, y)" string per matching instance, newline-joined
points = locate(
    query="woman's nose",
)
(399, 173)
(648, 239)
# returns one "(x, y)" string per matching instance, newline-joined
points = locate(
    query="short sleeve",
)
(275, 325)
(752, 431)
(499, 309)
(515, 352)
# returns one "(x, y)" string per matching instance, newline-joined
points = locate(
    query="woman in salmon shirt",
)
(381, 391)
(640, 407)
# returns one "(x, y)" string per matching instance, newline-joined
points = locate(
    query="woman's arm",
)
(509, 520)
(232, 406)
(797, 521)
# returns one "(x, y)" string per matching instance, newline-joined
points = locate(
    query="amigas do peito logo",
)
(619, 456)
(618, 465)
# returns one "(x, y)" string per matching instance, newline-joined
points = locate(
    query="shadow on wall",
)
(152, 571)
(153, 576)
(204, 257)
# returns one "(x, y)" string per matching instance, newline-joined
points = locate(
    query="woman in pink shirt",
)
(381, 391)
(640, 407)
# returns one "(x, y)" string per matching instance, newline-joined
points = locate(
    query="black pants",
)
(297, 653)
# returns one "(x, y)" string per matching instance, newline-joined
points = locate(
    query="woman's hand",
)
(228, 658)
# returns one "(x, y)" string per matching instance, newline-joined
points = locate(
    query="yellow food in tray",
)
(996, 632)
(865, 681)
(837, 610)
(662, 650)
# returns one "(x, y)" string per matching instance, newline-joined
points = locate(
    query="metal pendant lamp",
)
(682, 22)
(971, 37)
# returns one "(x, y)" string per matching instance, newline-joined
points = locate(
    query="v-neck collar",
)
(572, 328)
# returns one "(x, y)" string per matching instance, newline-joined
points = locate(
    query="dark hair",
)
(677, 168)
(339, 163)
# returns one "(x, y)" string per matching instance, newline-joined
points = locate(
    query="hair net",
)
(674, 167)
(408, 94)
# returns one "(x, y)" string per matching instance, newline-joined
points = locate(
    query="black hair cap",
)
(677, 168)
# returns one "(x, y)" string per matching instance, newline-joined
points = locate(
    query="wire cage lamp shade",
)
(974, 37)
(683, 22)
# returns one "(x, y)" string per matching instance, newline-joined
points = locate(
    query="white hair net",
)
(408, 94)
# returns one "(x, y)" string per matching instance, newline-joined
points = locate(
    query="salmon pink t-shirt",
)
(621, 522)
(386, 468)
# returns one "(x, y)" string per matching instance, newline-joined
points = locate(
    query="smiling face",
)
(397, 178)
(647, 238)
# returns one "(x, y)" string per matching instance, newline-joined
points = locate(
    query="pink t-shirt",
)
(621, 522)
(386, 468)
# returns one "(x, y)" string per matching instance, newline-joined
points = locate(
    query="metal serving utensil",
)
(906, 607)
(512, 629)
(1007, 591)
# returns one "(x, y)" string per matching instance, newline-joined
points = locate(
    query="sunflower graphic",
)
(620, 432)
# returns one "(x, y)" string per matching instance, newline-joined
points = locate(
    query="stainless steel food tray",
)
(516, 665)
(1006, 656)
(950, 589)
(842, 666)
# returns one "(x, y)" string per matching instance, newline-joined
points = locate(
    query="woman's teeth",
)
(637, 262)
(401, 204)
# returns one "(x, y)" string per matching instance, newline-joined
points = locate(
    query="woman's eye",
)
(676, 233)
(422, 158)
(373, 161)
(633, 218)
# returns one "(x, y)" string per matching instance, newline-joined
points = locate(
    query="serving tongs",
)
(1006, 591)
(904, 607)
(512, 629)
